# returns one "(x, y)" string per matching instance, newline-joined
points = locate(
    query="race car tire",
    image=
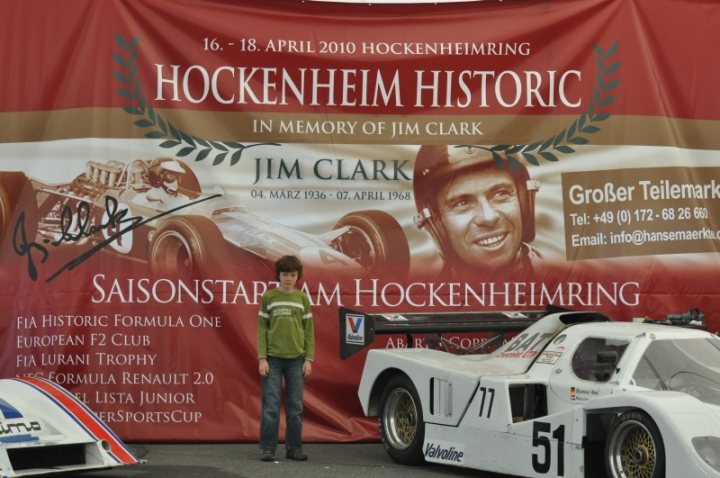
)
(634, 447)
(376, 241)
(402, 428)
(185, 247)
(17, 196)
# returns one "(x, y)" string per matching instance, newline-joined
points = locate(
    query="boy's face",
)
(288, 279)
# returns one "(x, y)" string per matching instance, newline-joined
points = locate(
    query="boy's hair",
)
(288, 264)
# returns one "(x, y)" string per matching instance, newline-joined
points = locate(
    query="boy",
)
(286, 348)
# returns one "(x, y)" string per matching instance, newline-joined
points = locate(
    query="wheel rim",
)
(633, 452)
(400, 419)
(357, 245)
(173, 254)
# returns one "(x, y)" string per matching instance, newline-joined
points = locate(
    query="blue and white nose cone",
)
(46, 429)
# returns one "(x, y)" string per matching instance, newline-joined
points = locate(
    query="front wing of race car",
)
(45, 429)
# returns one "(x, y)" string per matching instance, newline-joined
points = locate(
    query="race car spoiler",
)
(358, 330)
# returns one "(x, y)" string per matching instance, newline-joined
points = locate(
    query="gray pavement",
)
(242, 461)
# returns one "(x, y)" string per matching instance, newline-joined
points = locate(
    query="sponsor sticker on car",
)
(16, 431)
(549, 357)
(355, 328)
(449, 452)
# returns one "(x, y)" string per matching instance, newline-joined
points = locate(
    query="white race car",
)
(45, 429)
(572, 395)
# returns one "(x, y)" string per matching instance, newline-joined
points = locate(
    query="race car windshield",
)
(690, 366)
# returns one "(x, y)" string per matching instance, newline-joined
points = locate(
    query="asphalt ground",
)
(242, 461)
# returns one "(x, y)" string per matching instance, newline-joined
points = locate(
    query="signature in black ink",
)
(24, 248)
(81, 229)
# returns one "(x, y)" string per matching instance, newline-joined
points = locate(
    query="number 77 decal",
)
(485, 392)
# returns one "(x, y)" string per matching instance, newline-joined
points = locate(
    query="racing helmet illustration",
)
(170, 176)
(435, 165)
(161, 173)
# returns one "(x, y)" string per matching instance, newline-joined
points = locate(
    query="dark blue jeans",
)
(291, 369)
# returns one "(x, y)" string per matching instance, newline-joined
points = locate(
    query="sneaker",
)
(267, 455)
(296, 455)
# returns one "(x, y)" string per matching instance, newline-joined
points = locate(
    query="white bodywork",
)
(270, 241)
(45, 429)
(468, 410)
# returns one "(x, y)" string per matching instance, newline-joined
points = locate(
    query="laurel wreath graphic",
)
(160, 128)
(547, 149)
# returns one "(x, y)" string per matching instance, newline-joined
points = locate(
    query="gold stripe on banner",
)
(357, 129)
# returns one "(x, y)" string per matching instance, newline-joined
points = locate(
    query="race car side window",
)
(596, 358)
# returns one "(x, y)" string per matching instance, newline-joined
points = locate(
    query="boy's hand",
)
(307, 368)
(264, 367)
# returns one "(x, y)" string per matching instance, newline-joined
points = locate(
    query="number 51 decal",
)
(542, 460)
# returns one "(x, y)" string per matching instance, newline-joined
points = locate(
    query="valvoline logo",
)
(445, 451)
(355, 329)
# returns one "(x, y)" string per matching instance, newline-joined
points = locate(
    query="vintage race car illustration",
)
(45, 429)
(179, 229)
(574, 394)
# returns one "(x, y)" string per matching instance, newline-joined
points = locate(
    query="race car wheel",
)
(17, 196)
(634, 447)
(184, 246)
(376, 241)
(402, 428)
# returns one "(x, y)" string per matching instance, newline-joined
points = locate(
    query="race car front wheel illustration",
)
(376, 241)
(184, 246)
(634, 447)
(17, 197)
(401, 423)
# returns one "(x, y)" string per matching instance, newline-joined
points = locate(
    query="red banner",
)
(156, 158)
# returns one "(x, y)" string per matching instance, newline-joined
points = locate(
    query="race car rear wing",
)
(358, 330)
